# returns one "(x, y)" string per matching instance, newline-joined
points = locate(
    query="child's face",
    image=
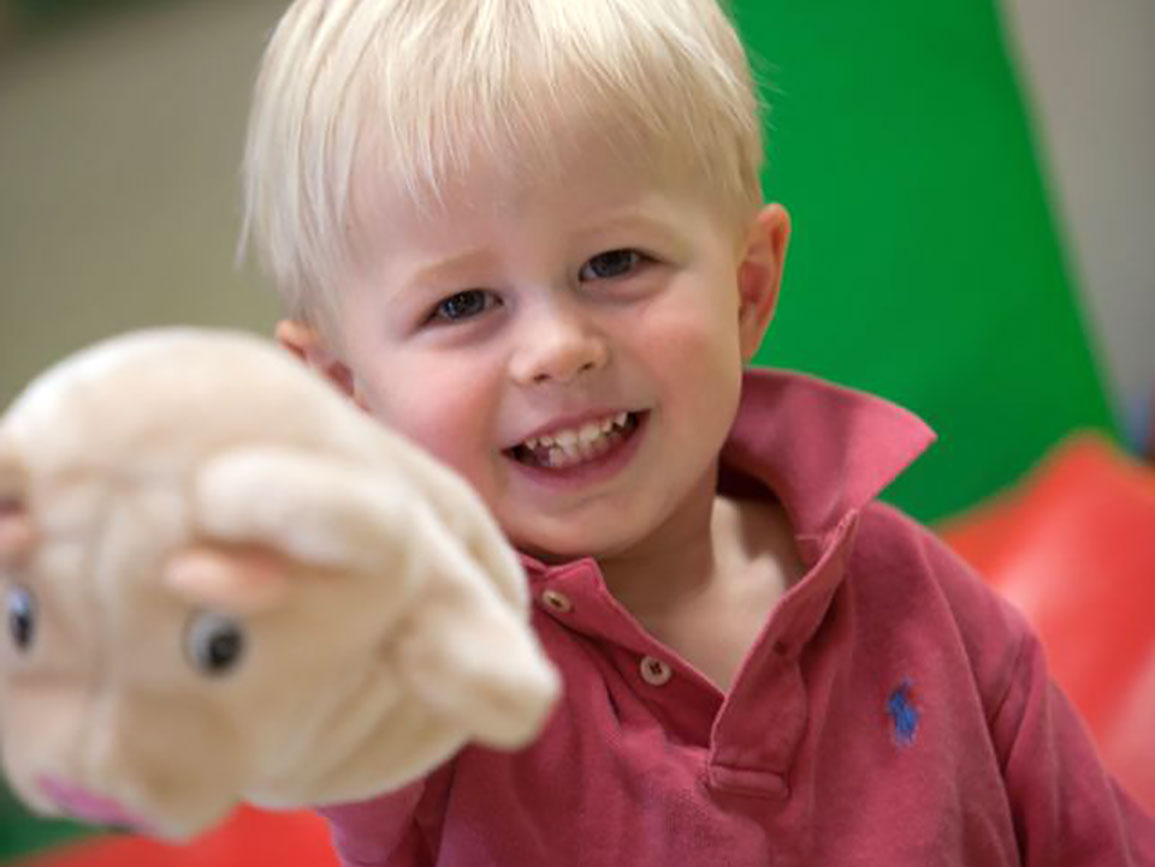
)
(599, 307)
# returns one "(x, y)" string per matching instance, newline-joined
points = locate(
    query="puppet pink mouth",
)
(88, 807)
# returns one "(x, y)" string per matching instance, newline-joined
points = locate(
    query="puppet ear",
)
(262, 508)
(16, 529)
(473, 659)
(239, 578)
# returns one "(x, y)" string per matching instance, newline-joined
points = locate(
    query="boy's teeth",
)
(574, 445)
(570, 439)
(590, 432)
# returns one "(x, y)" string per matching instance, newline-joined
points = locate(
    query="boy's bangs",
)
(518, 92)
(420, 94)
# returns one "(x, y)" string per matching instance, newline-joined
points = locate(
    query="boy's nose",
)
(557, 347)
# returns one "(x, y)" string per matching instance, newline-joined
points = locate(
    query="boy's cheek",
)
(451, 430)
(694, 341)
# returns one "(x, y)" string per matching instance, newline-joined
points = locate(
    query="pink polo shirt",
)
(892, 711)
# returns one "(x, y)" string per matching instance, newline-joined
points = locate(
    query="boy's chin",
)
(550, 557)
(555, 552)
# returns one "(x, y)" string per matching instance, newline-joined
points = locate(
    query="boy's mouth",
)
(568, 447)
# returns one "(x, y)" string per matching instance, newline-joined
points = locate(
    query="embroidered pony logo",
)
(903, 713)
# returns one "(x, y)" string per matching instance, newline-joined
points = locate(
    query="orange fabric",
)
(251, 837)
(1073, 546)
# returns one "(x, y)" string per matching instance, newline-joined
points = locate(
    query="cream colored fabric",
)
(155, 482)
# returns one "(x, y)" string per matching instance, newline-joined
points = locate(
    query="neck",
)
(677, 561)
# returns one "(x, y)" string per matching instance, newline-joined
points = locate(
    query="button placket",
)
(758, 734)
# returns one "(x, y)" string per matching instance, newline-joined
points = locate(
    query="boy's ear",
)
(760, 275)
(305, 342)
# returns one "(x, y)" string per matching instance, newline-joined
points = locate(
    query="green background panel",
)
(21, 834)
(925, 264)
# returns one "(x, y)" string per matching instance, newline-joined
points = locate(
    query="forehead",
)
(587, 179)
(504, 188)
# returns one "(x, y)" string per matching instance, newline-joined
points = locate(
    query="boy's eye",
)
(608, 265)
(464, 305)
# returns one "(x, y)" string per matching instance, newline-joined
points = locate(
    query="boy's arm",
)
(1067, 809)
(381, 831)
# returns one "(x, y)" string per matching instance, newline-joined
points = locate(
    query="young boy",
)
(530, 235)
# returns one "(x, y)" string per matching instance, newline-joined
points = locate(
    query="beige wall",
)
(1091, 69)
(119, 146)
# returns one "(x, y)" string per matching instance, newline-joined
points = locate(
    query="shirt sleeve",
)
(1067, 809)
(380, 832)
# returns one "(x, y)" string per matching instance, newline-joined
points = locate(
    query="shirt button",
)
(655, 672)
(558, 602)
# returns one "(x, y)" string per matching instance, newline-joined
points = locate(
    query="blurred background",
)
(972, 184)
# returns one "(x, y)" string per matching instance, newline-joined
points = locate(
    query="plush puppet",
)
(223, 582)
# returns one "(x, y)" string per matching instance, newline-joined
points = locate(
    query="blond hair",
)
(427, 87)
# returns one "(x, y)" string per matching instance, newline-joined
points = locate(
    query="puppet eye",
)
(214, 643)
(21, 617)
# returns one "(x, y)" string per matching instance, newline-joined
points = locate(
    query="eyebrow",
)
(473, 259)
(442, 270)
(633, 218)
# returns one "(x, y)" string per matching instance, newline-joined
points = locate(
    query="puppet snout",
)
(152, 761)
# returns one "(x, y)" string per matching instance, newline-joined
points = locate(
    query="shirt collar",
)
(824, 450)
